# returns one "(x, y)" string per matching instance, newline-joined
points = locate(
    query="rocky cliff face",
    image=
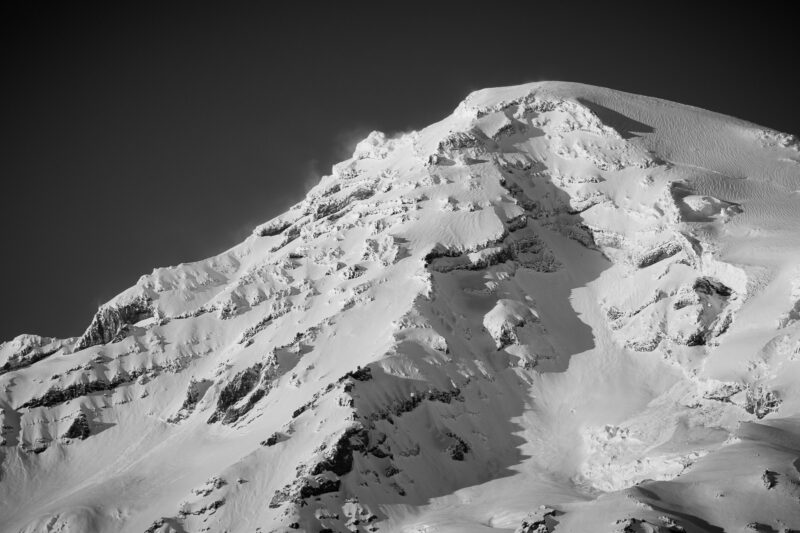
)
(561, 308)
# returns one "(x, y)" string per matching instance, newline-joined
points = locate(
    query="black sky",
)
(137, 135)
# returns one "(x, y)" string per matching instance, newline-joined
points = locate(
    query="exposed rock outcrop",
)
(79, 429)
(242, 393)
(111, 321)
(26, 350)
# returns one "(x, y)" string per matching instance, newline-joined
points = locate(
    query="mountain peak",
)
(558, 307)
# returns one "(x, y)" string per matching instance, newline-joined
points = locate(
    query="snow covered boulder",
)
(503, 320)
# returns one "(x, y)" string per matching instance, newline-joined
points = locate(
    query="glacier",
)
(562, 308)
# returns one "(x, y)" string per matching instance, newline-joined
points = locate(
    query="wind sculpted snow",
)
(561, 308)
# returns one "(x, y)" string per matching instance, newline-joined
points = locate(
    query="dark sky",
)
(140, 135)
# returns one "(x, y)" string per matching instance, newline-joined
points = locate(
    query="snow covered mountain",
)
(560, 309)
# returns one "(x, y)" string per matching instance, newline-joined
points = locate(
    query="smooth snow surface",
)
(561, 308)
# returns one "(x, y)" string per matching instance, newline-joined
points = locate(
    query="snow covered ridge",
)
(561, 308)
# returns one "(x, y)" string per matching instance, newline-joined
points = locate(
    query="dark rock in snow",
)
(57, 395)
(398, 407)
(458, 449)
(302, 409)
(638, 525)
(710, 287)
(334, 205)
(29, 355)
(761, 402)
(711, 298)
(240, 386)
(273, 439)
(359, 374)
(111, 321)
(273, 228)
(79, 429)
(339, 458)
(319, 486)
(540, 521)
(769, 478)
(302, 489)
(195, 392)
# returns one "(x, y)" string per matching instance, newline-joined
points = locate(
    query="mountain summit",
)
(560, 309)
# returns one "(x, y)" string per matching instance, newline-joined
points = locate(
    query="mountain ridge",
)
(559, 296)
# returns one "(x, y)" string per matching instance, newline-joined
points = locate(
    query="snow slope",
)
(561, 308)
